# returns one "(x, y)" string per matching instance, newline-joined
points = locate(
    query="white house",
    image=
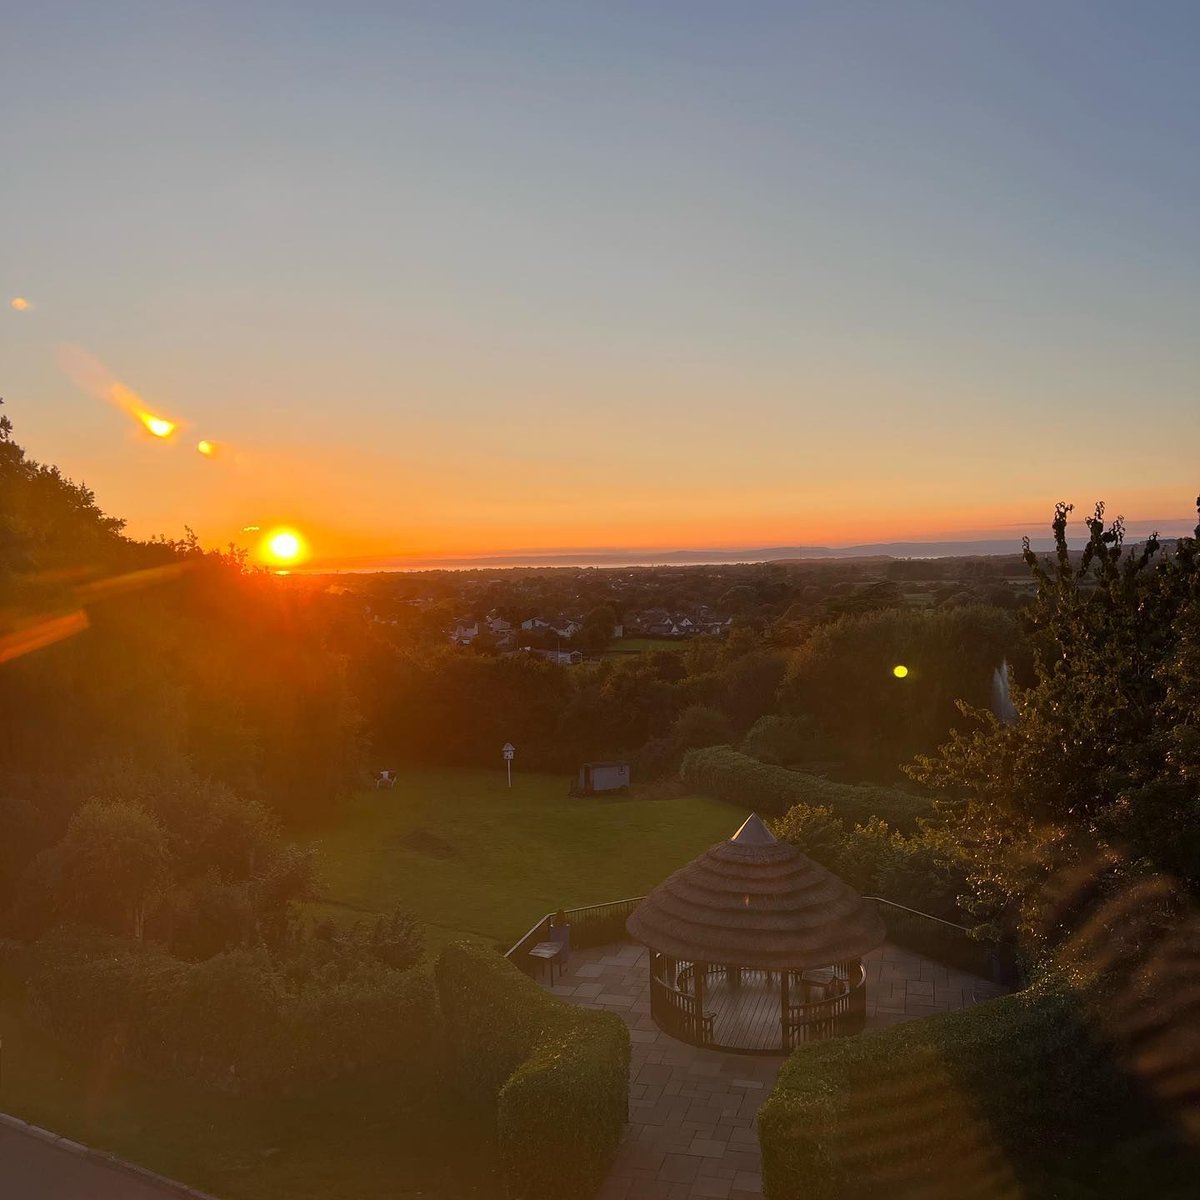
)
(463, 633)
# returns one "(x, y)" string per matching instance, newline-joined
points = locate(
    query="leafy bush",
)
(699, 725)
(851, 831)
(722, 772)
(162, 855)
(559, 1075)
(913, 872)
(1009, 1097)
(781, 740)
(657, 759)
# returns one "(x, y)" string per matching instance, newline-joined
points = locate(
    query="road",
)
(32, 1168)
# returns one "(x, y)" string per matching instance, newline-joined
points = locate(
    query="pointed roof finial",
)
(753, 832)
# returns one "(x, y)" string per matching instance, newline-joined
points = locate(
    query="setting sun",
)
(283, 546)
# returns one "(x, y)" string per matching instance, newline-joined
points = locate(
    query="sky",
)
(447, 279)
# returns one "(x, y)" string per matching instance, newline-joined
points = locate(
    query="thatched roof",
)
(752, 901)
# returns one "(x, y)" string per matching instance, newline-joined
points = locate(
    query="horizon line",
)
(633, 556)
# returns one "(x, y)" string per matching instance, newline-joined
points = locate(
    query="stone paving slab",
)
(693, 1124)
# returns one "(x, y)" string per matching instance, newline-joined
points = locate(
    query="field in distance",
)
(620, 647)
(473, 858)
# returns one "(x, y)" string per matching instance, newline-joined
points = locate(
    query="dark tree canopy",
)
(1103, 764)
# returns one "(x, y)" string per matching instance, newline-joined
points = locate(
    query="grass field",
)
(470, 857)
(641, 645)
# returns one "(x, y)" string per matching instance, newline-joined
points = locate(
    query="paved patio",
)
(693, 1129)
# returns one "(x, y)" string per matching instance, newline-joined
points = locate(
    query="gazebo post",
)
(784, 1004)
(698, 972)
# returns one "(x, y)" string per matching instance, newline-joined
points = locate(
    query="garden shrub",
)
(237, 1021)
(106, 998)
(780, 740)
(722, 772)
(374, 1021)
(864, 835)
(1013, 1097)
(559, 1075)
(909, 871)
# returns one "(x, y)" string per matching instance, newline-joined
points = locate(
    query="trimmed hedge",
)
(1012, 1097)
(722, 772)
(559, 1074)
(235, 1022)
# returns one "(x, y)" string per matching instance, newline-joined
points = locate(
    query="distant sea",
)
(617, 557)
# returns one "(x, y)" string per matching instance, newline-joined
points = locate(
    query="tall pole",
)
(508, 764)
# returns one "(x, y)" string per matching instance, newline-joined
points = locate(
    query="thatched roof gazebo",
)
(755, 947)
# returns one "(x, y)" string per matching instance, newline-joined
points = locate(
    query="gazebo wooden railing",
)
(748, 1010)
(677, 1013)
(844, 1013)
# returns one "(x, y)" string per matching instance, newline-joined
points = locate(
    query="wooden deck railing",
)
(948, 943)
(591, 925)
(596, 924)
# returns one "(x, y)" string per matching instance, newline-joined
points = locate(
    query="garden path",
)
(693, 1128)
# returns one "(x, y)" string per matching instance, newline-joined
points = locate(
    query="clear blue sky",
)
(463, 277)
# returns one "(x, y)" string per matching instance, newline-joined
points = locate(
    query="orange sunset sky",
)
(570, 278)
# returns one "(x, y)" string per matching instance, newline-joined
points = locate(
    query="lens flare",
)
(159, 426)
(207, 448)
(900, 671)
(19, 303)
(40, 634)
(97, 380)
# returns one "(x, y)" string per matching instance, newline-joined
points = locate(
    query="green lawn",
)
(643, 645)
(470, 857)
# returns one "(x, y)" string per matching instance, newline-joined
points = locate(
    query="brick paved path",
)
(693, 1113)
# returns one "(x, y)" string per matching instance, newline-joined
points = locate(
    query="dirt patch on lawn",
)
(424, 842)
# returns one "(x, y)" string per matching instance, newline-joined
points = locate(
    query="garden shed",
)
(595, 777)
